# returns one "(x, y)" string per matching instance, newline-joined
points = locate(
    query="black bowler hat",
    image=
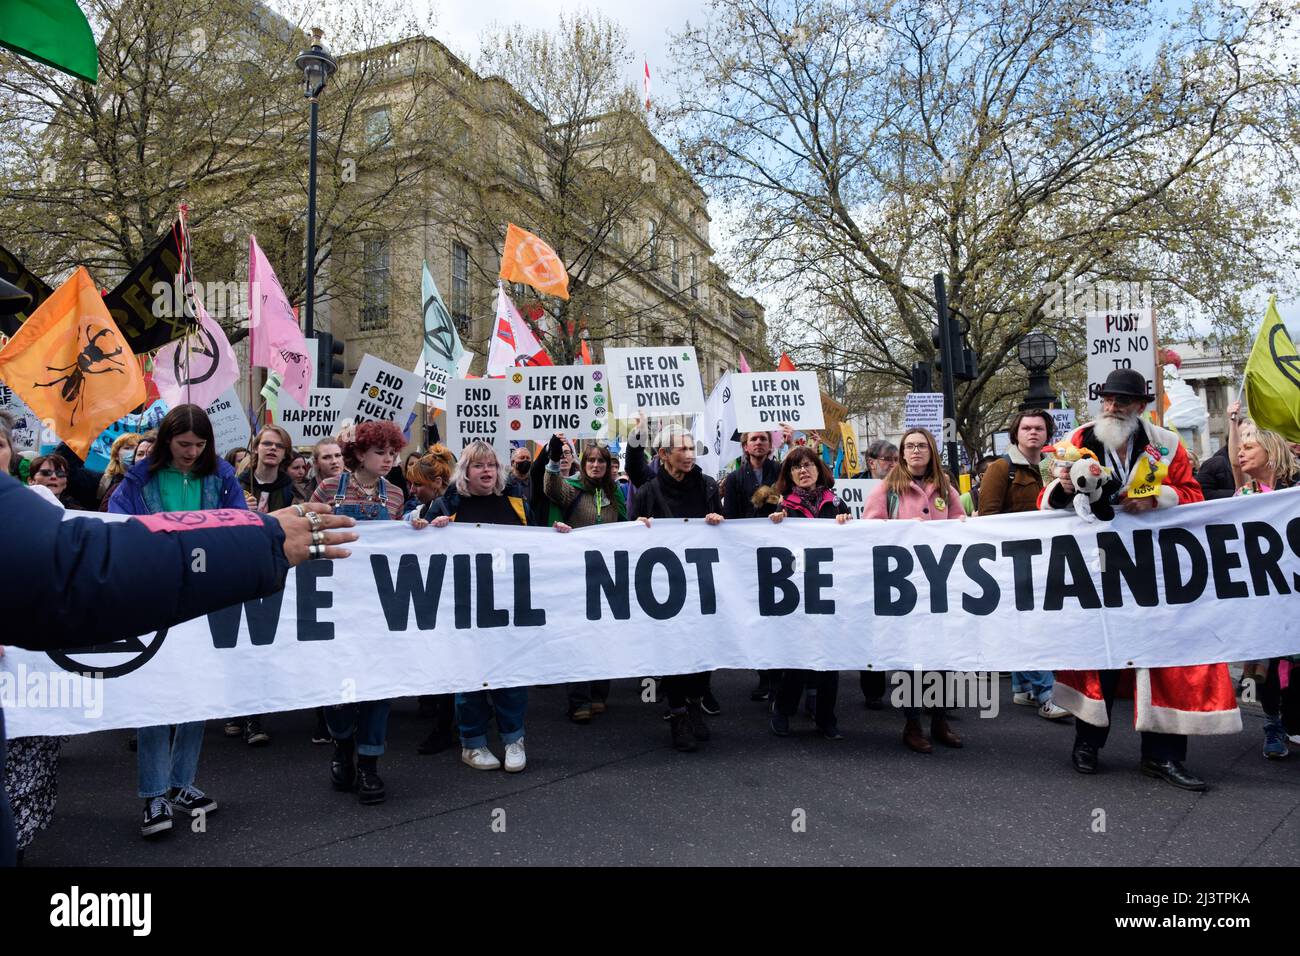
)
(1127, 383)
(13, 299)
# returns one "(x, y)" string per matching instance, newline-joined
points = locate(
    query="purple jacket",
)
(137, 494)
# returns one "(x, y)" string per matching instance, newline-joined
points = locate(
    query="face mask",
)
(127, 458)
(522, 467)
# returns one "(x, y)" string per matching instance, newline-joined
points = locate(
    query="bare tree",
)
(1014, 145)
(575, 163)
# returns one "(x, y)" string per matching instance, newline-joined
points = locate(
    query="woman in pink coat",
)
(917, 488)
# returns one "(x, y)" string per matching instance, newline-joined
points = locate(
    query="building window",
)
(379, 128)
(460, 286)
(1214, 398)
(653, 238)
(695, 276)
(616, 233)
(672, 265)
(374, 270)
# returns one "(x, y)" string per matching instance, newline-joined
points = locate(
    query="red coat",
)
(1195, 700)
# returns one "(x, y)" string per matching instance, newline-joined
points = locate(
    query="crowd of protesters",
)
(566, 485)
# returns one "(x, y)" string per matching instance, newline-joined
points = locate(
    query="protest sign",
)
(853, 492)
(464, 608)
(924, 410)
(834, 413)
(476, 411)
(1001, 442)
(1119, 340)
(27, 427)
(434, 379)
(852, 458)
(768, 400)
(1065, 421)
(543, 400)
(320, 419)
(655, 381)
(381, 392)
(230, 428)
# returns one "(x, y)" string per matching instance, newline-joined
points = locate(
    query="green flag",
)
(55, 32)
(1273, 378)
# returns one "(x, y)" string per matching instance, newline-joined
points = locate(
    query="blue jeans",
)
(164, 761)
(368, 720)
(1038, 682)
(474, 710)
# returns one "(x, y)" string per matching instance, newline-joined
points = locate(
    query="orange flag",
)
(72, 366)
(786, 364)
(528, 260)
(584, 354)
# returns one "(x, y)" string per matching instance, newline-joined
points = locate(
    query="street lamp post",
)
(1037, 353)
(317, 66)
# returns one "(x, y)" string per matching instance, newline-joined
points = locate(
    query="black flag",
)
(132, 303)
(13, 271)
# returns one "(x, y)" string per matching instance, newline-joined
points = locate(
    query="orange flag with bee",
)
(72, 366)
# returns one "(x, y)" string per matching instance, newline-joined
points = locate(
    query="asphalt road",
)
(614, 792)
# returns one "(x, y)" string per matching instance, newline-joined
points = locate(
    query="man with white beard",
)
(1169, 702)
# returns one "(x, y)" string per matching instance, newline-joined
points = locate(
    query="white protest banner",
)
(768, 400)
(925, 410)
(546, 399)
(320, 419)
(1065, 422)
(476, 411)
(853, 492)
(230, 428)
(1119, 340)
(440, 610)
(381, 392)
(655, 381)
(435, 378)
(1001, 442)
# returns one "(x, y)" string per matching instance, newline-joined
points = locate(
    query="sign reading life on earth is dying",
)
(768, 400)
(655, 381)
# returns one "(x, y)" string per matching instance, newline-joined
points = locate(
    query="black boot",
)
(343, 768)
(369, 785)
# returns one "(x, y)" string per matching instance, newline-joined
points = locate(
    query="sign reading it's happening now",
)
(768, 400)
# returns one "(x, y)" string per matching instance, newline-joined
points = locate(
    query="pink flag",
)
(647, 86)
(277, 342)
(744, 366)
(513, 342)
(197, 368)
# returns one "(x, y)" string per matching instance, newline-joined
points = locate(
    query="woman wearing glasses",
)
(917, 488)
(803, 490)
(51, 472)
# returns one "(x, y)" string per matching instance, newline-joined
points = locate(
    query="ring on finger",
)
(302, 512)
(316, 551)
(318, 537)
(313, 519)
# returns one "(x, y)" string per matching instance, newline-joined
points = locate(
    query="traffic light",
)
(329, 353)
(922, 377)
(965, 367)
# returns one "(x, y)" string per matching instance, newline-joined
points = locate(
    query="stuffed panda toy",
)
(1088, 477)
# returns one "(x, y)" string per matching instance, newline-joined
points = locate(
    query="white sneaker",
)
(1025, 699)
(480, 758)
(516, 759)
(1050, 711)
